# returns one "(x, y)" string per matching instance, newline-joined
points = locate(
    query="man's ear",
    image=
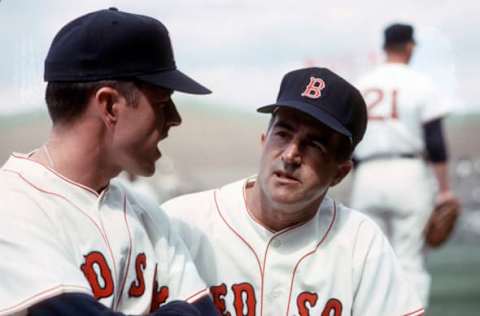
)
(108, 102)
(263, 138)
(343, 168)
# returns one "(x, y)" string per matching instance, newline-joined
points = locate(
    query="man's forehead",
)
(299, 119)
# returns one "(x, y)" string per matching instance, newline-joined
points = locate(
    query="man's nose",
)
(173, 118)
(292, 154)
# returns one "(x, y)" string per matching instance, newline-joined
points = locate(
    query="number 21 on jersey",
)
(381, 105)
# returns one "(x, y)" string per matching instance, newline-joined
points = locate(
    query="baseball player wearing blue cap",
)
(275, 243)
(73, 242)
(393, 182)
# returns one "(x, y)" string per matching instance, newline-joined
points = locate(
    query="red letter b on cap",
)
(314, 88)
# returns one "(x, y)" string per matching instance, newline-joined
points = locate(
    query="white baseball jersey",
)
(57, 236)
(399, 101)
(398, 193)
(337, 263)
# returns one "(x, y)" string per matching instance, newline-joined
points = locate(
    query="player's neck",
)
(77, 157)
(397, 59)
(277, 217)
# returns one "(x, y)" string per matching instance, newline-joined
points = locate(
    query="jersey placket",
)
(274, 279)
(111, 210)
(97, 259)
(282, 253)
(279, 253)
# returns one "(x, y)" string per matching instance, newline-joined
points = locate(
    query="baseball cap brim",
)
(317, 113)
(174, 80)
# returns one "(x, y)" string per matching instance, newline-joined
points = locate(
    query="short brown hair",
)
(66, 101)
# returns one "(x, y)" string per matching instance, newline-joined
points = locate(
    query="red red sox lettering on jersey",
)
(337, 263)
(97, 259)
(314, 88)
(244, 301)
(102, 282)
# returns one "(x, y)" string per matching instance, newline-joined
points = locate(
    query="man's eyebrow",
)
(283, 124)
(322, 139)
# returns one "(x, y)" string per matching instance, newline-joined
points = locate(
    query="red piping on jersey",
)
(421, 311)
(195, 297)
(39, 297)
(309, 253)
(122, 284)
(60, 176)
(110, 249)
(71, 203)
(265, 258)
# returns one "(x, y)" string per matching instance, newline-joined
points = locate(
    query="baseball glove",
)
(442, 222)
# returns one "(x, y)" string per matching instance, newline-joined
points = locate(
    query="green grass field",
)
(455, 272)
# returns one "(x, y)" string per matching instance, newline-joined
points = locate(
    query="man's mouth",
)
(164, 135)
(285, 177)
(158, 153)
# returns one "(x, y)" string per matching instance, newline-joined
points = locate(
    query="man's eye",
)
(281, 134)
(319, 145)
(160, 105)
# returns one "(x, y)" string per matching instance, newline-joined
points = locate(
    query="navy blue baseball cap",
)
(398, 33)
(111, 44)
(325, 96)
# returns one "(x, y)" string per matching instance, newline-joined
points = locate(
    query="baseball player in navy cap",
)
(392, 183)
(275, 243)
(73, 242)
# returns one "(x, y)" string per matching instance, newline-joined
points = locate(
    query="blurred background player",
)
(393, 183)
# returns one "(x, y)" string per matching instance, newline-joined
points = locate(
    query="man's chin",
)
(147, 170)
(148, 174)
(285, 199)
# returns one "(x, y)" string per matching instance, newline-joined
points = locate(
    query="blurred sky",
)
(241, 48)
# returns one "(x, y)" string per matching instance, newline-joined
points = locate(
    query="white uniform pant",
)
(398, 195)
